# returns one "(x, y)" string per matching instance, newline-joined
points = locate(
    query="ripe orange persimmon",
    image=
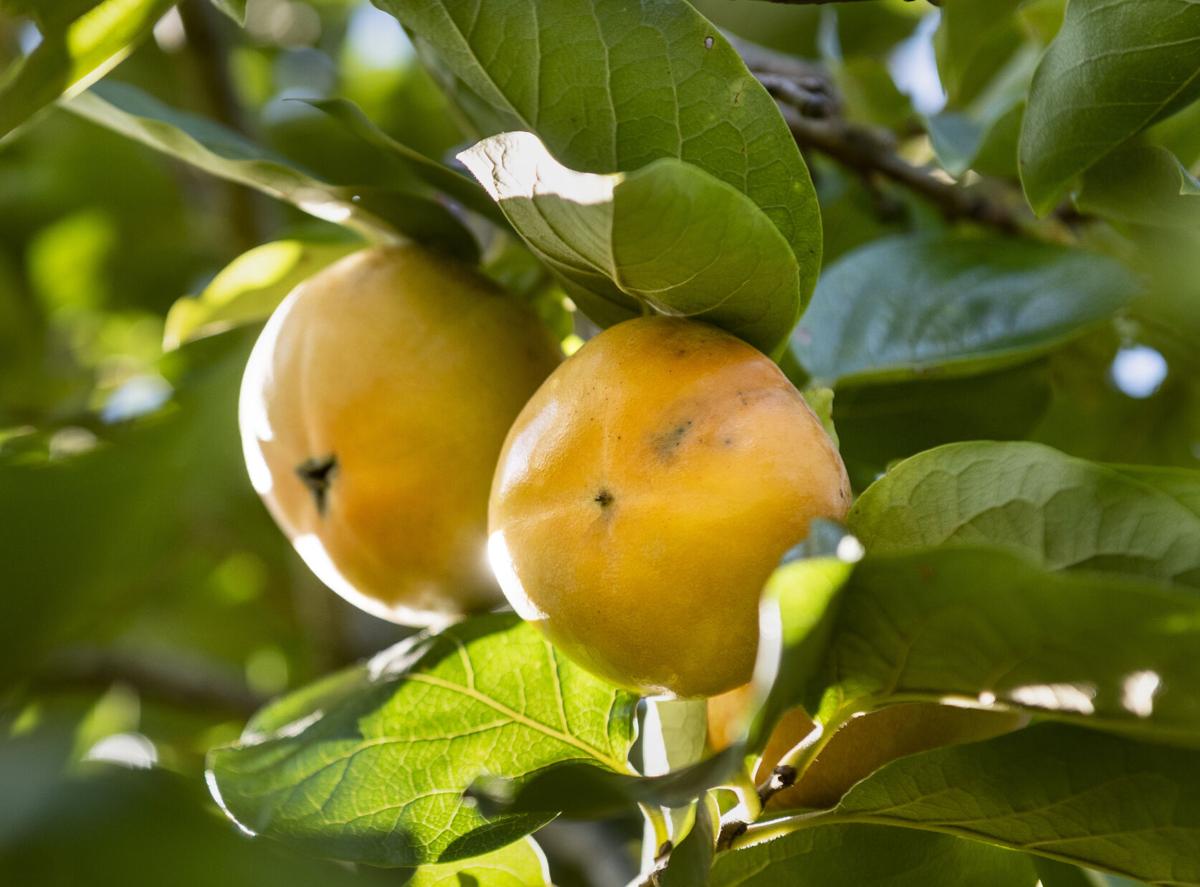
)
(372, 411)
(645, 494)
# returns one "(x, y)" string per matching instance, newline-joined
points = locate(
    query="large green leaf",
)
(985, 627)
(74, 54)
(908, 306)
(795, 616)
(1142, 185)
(667, 235)
(1063, 511)
(1052, 790)
(221, 152)
(845, 855)
(250, 287)
(612, 86)
(372, 765)
(1115, 67)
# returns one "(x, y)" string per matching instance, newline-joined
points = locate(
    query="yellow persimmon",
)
(860, 747)
(372, 411)
(645, 494)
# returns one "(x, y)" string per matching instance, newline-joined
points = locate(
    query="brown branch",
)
(868, 151)
(172, 681)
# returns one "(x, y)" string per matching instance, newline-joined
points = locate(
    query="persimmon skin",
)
(860, 747)
(372, 410)
(645, 494)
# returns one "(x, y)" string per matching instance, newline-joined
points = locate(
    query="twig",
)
(173, 681)
(210, 52)
(868, 151)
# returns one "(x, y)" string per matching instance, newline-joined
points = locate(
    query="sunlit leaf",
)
(983, 627)
(668, 236)
(1062, 511)
(1054, 790)
(521, 864)
(218, 151)
(74, 54)
(249, 288)
(612, 87)
(372, 764)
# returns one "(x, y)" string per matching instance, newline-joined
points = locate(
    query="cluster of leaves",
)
(627, 156)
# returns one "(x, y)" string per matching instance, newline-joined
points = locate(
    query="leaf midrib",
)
(518, 717)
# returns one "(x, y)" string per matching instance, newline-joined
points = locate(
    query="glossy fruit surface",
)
(863, 745)
(372, 411)
(645, 494)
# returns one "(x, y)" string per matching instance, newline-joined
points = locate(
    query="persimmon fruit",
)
(646, 492)
(859, 747)
(372, 411)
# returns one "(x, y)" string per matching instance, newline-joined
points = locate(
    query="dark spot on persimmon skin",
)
(604, 498)
(669, 441)
(317, 476)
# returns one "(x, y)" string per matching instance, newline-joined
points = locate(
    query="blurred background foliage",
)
(149, 604)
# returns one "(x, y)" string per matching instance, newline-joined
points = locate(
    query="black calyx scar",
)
(317, 475)
(604, 498)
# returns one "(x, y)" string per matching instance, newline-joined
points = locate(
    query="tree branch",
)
(867, 151)
(209, 50)
(173, 681)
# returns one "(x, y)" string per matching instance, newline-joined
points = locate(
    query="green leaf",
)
(235, 9)
(974, 41)
(878, 424)
(207, 145)
(797, 617)
(50, 15)
(249, 288)
(795, 624)
(613, 86)
(668, 235)
(1115, 67)
(1053, 790)
(1141, 185)
(435, 174)
(148, 827)
(692, 857)
(985, 627)
(912, 306)
(882, 857)
(521, 864)
(74, 55)
(372, 765)
(1062, 511)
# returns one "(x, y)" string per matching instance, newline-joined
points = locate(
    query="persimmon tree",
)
(962, 235)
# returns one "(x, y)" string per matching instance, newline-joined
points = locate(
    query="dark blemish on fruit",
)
(728, 441)
(669, 441)
(317, 475)
(604, 498)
